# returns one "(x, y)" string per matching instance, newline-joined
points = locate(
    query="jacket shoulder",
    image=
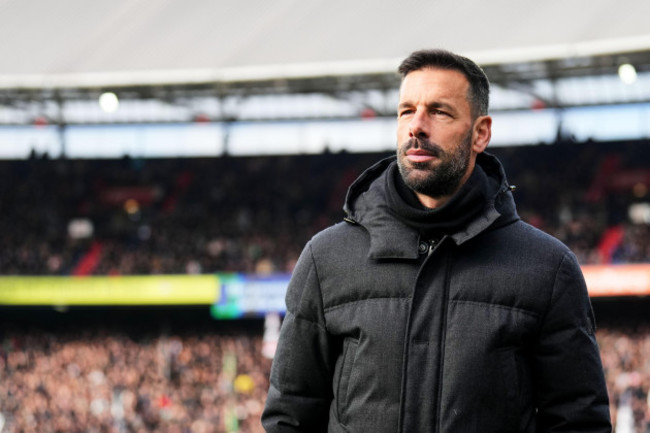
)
(341, 236)
(524, 233)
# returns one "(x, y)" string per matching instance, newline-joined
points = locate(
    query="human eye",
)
(405, 112)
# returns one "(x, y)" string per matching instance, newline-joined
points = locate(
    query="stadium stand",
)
(177, 369)
(168, 216)
(254, 214)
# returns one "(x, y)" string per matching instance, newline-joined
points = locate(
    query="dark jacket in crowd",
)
(393, 325)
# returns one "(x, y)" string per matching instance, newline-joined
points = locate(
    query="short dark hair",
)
(479, 85)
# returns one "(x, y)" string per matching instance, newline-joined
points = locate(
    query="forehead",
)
(434, 84)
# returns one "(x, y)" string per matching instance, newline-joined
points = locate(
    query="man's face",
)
(434, 132)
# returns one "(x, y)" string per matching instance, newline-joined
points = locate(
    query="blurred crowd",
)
(102, 380)
(626, 359)
(167, 216)
(254, 214)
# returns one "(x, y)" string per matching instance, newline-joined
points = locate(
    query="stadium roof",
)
(81, 43)
(246, 67)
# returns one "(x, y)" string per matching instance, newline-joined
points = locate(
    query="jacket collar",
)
(366, 204)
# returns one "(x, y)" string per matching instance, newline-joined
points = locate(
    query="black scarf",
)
(454, 215)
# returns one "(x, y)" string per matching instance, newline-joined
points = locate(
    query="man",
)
(433, 307)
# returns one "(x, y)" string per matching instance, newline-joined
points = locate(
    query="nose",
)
(419, 126)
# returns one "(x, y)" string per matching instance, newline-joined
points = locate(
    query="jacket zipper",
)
(433, 245)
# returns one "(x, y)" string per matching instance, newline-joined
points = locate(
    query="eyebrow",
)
(432, 105)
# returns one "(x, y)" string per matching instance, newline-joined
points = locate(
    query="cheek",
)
(449, 138)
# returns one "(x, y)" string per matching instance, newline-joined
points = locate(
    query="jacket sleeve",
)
(572, 395)
(301, 374)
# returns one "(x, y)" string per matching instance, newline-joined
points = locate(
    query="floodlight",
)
(627, 73)
(109, 102)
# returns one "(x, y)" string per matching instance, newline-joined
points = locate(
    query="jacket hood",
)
(366, 204)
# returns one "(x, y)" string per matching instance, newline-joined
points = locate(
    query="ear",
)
(482, 133)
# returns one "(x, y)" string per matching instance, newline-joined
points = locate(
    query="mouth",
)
(420, 155)
(420, 151)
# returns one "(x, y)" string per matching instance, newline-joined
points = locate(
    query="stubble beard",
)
(431, 180)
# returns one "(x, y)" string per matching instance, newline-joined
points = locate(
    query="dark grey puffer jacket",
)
(488, 330)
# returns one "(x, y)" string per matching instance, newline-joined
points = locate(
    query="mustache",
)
(423, 144)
